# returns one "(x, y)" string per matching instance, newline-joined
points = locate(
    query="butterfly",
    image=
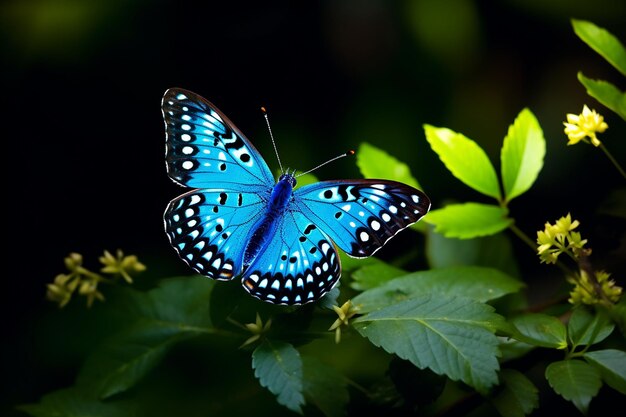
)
(237, 221)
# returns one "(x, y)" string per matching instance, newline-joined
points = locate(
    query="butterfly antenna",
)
(350, 152)
(267, 121)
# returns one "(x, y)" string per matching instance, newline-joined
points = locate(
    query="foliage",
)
(461, 323)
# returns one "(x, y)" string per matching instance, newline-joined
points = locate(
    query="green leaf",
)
(175, 311)
(122, 362)
(606, 93)
(603, 42)
(612, 366)
(373, 275)
(517, 397)
(493, 251)
(376, 163)
(475, 282)
(574, 380)
(73, 402)
(278, 367)
(540, 330)
(177, 300)
(451, 336)
(330, 298)
(324, 387)
(469, 220)
(522, 154)
(464, 159)
(585, 328)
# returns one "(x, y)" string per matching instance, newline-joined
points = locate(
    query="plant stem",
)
(523, 237)
(615, 163)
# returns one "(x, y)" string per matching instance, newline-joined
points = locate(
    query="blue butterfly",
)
(238, 222)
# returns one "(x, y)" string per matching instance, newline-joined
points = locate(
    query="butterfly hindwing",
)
(360, 216)
(299, 265)
(209, 228)
(204, 149)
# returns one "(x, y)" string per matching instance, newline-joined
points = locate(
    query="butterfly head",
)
(289, 178)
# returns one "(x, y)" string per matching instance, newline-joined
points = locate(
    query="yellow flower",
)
(344, 313)
(586, 124)
(257, 329)
(121, 265)
(89, 288)
(558, 238)
(584, 292)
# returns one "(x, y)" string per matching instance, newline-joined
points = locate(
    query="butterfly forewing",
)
(300, 264)
(360, 216)
(204, 149)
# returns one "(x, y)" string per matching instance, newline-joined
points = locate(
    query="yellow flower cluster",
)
(580, 126)
(585, 293)
(559, 238)
(86, 282)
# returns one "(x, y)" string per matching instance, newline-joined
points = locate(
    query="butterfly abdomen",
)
(263, 232)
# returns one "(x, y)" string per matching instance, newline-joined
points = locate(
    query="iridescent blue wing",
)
(209, 228)
(299, 265)
(360, 216)
(204, 149)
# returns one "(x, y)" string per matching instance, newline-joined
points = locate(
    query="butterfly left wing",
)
(204, 149)
(360, 216)
(299, 265)
(209, 228)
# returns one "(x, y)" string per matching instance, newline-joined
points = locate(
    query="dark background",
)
(85, 171)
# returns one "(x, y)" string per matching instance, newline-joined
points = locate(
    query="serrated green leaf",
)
(522, 154)
(177, 300)
(278, 366)
(324, 387)
(606, 93)
(475, 282)
(374, 275)
(174, 311)
(518, 396)
(376, 163)
(511, 348)
(612, 366)
(585, 328)
(469, 220)
(574, 380)
(124, 360)
(464, 159)
(73, 402)
(451, 336)
(603, 42)
(540, 330)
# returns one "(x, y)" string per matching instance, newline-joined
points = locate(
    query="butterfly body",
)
(237, 221)
(265, 229)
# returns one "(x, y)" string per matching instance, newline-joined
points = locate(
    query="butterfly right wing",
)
(204, 149)
(209, 228)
